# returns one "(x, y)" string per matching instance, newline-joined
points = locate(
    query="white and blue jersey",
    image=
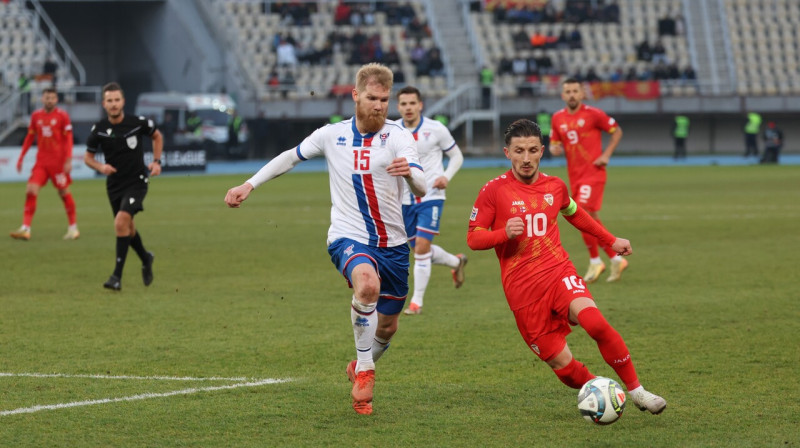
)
(365, 198)
(433, 140)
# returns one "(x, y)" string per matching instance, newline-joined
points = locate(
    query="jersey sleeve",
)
(92, 142)
(555, 137)
(483, 211)
(604, 122)
(148, 125)
(406, 147)
(444, 138)
(313, 145)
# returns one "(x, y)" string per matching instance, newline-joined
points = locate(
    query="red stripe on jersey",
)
(369, 187)
(367, 142)
(415, 135)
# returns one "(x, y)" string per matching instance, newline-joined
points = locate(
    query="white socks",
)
(379, 346)
(596, 260)
(441, 256)
(422, 275)
(365, 322)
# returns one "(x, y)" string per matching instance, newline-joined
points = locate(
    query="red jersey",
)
(525, 261)
(580, 133)
(53, 132)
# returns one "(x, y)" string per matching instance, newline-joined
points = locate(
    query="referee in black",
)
(120, 137)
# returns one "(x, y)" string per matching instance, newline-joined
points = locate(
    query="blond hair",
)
(374, 72)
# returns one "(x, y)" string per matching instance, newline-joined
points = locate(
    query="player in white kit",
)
(369, 160)
(423, 214)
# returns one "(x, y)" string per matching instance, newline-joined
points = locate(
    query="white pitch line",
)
(124, 377)
(139, 397)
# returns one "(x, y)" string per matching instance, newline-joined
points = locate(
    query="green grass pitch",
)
(709, 308)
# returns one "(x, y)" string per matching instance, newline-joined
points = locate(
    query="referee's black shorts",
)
(130, 200)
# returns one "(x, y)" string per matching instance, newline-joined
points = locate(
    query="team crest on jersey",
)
(384, 137)
(427, 135)
(581, 122)
(131, 141)
(53, 121)
(474, 215)
(548, 198)
(341, 141)
(349, 250)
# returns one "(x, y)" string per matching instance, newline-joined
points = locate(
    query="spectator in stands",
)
(617, 75)
(342, 14)
(631, 75)
(519, 66)
(673, 72)
(49, 70)
(575, 39)
(417, 29)
(435, 63)
(273, 81)
(562, 43)
(666, 26)
(417, 53)
(399, 76)
(689, 74)
(520, 39)
(611, 12)
(538, 40)
(591, 75)
(286, 54)
(644, 52)
(773, 142)
(659, 53)
(504, 66)
(391, 57)
(499, 13)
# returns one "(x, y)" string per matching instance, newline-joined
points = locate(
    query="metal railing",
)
(56, 43)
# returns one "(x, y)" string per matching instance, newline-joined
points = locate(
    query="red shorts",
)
(589, 195)
(55, 173)
(544, 324)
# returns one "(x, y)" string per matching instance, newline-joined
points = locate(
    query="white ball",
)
(601, 401)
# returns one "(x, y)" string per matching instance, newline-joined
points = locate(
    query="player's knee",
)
(596, 326)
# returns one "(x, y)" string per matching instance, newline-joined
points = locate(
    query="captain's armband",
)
(571, 208)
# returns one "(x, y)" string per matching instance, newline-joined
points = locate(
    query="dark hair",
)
(570, 81)
(113, 87)
(49, 90)
(522, 128)
(409, 90)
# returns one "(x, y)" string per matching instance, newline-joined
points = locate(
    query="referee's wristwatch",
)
(158, 161)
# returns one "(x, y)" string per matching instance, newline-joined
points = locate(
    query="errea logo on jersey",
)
(341, 141)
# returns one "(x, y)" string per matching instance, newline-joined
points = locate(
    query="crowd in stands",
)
(546, 11)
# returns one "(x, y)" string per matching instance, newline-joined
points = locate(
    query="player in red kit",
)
(577, 132)
(52, 130)
(517, 215)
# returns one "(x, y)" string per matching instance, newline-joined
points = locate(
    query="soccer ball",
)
(601, 401)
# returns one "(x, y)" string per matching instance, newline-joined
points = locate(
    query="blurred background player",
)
(423, 215)
(576, 132)
(517, 215)
(367, 156)
(120, 137)
(52, 129)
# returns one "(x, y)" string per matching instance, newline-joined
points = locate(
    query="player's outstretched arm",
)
(281, 164)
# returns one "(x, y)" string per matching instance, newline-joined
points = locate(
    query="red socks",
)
(69, 206)
(574, 375)
(611, 345)
(30, 209)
